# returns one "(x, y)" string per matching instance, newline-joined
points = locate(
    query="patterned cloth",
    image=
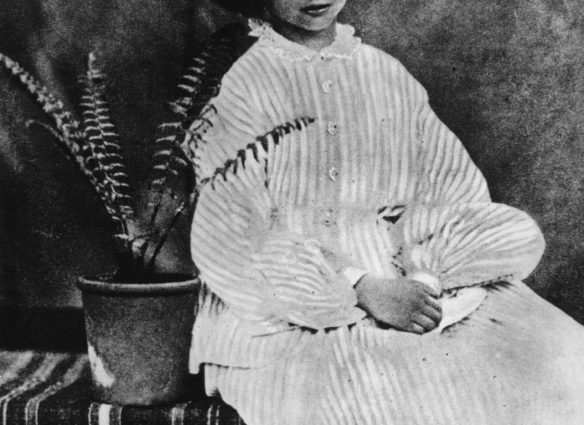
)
(372, 180)
(41, 388)
(517, 360)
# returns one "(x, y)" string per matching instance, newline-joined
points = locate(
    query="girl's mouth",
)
(316, 10)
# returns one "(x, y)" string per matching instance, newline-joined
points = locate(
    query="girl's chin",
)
(314, 24)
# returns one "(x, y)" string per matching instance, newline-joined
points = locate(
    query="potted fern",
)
(138, 321)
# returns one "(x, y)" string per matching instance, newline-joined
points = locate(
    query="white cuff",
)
(353, 274)
(426, 278)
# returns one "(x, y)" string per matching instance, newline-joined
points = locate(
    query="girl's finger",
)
(434, 303)
(425, 322)
(415, 328)
(432, 313)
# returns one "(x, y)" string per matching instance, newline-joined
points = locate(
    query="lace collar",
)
(343, 47)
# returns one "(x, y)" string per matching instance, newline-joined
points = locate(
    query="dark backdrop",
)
(507, 76)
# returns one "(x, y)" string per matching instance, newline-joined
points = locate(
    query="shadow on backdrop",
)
(506, 76)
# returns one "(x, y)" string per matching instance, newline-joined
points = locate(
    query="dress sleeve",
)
(469, 244)
(452, 230)
(263, 271)
(446, 173)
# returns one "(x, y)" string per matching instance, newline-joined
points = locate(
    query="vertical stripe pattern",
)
(38, 378)
(376, 182)
(43, 388)
(71, 375)
(272, 237)
(505, 364)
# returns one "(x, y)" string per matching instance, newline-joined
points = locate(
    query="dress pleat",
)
(516, 361)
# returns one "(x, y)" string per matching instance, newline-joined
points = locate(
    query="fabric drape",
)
(372, 181)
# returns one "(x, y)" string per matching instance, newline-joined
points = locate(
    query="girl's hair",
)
(249, 8)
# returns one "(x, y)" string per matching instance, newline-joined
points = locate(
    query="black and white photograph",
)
(291, 212)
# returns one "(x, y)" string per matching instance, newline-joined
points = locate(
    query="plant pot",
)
(138, 338)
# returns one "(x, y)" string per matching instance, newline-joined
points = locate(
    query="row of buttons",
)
(332, 128)
(329, 217)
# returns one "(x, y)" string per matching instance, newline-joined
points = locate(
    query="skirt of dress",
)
(517, 360)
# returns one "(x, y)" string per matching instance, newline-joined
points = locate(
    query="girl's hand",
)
(405, 304)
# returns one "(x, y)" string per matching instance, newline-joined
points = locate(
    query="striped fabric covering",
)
(43, 388)
(469, 244)
(516, 361)
(378, 183)
(273, 236)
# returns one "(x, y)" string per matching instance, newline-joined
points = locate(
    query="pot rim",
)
(103, 285)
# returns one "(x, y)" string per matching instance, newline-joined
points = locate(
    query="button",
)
(327, 86)
(333, 173)
(329, 217)
(332, 128)
(328, 222)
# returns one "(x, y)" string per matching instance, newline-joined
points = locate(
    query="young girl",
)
(340, 258)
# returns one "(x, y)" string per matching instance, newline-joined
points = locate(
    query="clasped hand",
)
(403, 303)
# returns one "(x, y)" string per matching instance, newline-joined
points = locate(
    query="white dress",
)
(365, 179)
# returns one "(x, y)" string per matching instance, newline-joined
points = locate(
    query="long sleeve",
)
(470, 243)
(447, 173)
(263, 271)
(452, 230)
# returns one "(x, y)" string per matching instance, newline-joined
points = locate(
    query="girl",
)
(342, 251)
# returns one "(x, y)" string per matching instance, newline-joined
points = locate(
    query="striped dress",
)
(323, 166)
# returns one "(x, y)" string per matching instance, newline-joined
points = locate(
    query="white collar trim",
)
(344, 45)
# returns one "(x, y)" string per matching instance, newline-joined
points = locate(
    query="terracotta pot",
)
(138, 338)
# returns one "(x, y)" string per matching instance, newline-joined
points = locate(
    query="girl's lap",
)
(514, 360)
(515, 333)
(512, 316)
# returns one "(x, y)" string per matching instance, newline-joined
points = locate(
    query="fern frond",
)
(64, 121)
(68, 132)
(103, 145)
(67, 129)
(257, 150)
(197, 86)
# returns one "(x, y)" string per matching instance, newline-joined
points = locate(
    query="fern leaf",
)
(66, 125)
(103, 144)
(67, 131)
(199, 84)
(258, 149)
